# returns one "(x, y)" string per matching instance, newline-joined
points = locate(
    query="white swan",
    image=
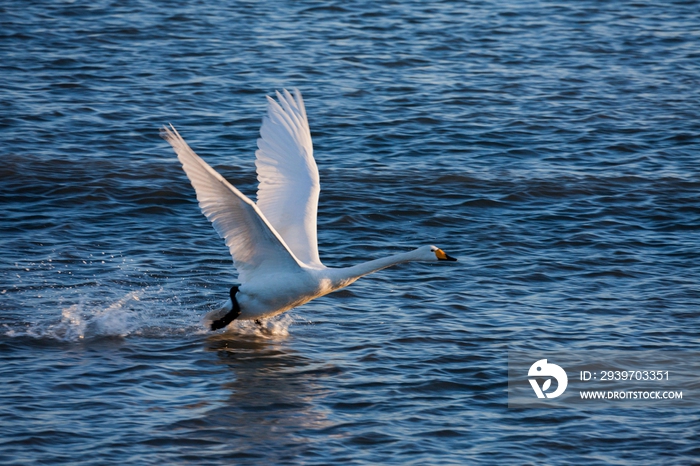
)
(273, 242)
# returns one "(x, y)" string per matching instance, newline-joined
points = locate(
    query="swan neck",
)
(353, 273)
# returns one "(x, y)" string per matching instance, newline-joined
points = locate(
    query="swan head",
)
(432, 254)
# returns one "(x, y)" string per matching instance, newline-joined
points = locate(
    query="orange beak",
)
(444, 257)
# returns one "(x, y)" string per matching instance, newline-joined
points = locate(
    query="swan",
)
(273, 241)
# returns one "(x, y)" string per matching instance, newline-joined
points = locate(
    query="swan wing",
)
(288, 177)
(254, 244)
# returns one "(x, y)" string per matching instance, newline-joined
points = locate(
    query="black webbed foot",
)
(231, 315)
(262, 328)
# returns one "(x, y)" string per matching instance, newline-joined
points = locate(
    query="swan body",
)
(273, 242)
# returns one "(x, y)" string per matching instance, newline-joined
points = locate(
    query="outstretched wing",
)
(254, 244)
(288, 176)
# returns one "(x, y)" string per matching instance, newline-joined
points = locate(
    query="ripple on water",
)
(551, 147)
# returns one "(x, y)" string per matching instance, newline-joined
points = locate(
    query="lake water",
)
(552, 147)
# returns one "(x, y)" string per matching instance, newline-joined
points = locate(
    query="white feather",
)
(289, 183)
(256, 247)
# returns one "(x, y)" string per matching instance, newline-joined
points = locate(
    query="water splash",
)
(84, 320)
(274, 328)
(144, 312)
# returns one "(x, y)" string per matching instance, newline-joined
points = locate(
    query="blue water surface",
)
(551, 146)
